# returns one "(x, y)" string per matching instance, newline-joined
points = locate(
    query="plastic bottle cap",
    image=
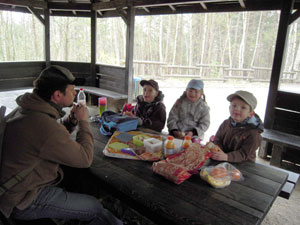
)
(170, 138)
(81, 89)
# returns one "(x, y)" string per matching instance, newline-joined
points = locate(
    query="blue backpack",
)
(111, 122)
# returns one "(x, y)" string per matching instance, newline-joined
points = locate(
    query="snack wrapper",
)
(221, 175)
(179, 167)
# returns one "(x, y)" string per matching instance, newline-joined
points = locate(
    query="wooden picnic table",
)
(193, 201)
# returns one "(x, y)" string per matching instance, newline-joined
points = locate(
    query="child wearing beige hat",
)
(239, 136)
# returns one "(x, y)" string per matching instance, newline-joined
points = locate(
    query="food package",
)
(179, 167)
(172, 172)
(153, 145)
(192, 158)
(221, 175)
(138, 140)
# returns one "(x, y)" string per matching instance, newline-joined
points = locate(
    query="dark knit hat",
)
(151, 82)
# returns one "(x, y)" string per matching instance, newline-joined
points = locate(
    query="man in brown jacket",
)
(35, 139)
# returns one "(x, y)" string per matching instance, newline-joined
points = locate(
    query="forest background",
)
(210, 45)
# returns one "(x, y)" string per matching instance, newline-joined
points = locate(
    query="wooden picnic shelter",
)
(282, 110)
(282, 118)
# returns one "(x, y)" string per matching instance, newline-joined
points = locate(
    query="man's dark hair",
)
(51, 79)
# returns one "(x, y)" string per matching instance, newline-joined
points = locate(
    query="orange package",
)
(179, 167)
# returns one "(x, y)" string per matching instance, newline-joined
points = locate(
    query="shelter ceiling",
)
(111, 8)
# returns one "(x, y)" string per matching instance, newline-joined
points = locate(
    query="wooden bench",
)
(115, 100)
(102, 92)
(290, 184)
(280, 142)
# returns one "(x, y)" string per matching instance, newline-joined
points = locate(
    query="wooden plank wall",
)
(287, 113)
(112, 78)
(14, 75)
(287, 119)
(82, 71)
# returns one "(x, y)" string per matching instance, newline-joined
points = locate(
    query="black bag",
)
(111, 122)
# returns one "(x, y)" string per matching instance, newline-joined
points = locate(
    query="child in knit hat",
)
(239, 136)
(190, 116)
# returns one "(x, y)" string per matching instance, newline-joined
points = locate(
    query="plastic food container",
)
(152, 145)
(138, 140)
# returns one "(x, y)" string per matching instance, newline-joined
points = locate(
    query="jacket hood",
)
(158, 98)
(254, 122)
(31, 102)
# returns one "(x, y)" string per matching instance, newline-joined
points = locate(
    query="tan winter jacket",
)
(37, 138)
(188, 116)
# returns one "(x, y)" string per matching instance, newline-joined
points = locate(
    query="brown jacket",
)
(239, 142)
(37, 139)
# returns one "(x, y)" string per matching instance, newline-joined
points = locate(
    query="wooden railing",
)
(158, 69)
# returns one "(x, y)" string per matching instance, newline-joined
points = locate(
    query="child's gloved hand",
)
(189, 133)
(128, 114)
(178, 134)
(127, 107)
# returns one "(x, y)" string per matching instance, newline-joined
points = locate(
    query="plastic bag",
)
(181, 166)
(221, 175)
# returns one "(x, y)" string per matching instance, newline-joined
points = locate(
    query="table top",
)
(193, 201)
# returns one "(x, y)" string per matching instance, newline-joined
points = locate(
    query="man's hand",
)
(81, 113)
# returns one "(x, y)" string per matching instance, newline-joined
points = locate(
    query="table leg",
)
(263, 151)
(277, 151)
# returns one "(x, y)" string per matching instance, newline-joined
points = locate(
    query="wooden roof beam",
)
(203, 5)
(173, 8)
(69, 6)
(123, 15)
(36, 14)
(100, 13)
(26, 3)
(294, 16)
(242, 3)
(143, 3)
(146, 9)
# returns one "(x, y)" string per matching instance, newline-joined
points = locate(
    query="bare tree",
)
(203, 42)
(258, 37)
(243, 40)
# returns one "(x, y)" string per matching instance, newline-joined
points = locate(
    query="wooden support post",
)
(47, 36)
(280, 49)
(277, 151)
(263, 151)
(94, 80)
(95, 83)
(129, 51)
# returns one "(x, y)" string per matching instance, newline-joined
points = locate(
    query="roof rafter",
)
(69, 6)
(36, 14)
(147, 3)
(26, 3)
(203, 5)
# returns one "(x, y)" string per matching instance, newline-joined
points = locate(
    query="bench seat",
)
(290, 184)
(280, 142)
(102, 92)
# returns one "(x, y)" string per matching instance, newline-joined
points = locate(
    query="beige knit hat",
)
(246, 96)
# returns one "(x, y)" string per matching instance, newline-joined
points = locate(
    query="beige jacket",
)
(37, 138)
